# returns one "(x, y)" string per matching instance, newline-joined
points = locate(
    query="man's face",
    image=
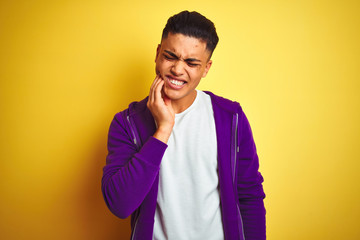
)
(182, 61)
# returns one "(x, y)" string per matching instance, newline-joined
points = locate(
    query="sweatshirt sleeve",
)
(129, 173)
(249, 185)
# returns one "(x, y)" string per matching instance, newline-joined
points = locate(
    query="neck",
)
(184, 103)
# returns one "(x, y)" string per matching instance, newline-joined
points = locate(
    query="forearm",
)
(250, 190)
(129, 172)
(125, 187)
(253, 216)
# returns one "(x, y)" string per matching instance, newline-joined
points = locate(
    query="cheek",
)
(162, 65)
(158, 66)
(195, 75)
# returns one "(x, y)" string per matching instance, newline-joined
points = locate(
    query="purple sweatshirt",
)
(130, 177)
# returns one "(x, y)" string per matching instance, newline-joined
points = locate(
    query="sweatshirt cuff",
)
(154, 150)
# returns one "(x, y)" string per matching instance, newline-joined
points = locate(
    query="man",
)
(183, 162)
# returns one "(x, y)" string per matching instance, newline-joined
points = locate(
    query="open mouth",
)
(175, 83)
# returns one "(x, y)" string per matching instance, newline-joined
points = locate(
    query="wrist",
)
(163, 133)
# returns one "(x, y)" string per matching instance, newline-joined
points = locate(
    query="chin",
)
(173, 94)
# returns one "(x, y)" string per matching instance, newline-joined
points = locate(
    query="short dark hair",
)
(193, 24)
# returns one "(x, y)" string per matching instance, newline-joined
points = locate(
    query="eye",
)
(168, 57)
(192, 64)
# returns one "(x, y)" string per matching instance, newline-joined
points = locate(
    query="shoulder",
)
(224, 104)
(134, 108)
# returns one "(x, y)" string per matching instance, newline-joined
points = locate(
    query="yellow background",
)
(66, 67)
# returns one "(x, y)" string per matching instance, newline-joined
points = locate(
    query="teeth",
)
(176, 82)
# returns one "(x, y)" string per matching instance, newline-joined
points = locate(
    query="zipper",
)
(133, 232)
(235, 147)
(235, 151)
(242, 226)
(136, 142)
(133, 132)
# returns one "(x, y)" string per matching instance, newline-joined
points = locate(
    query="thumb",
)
(167, 100)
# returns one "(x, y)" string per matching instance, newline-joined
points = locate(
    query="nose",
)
(178, 68)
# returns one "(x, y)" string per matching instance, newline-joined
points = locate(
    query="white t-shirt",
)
(188, 202)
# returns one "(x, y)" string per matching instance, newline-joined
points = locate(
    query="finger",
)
(157, 91)
(152, 88)
(158, 87)
(155, 80)
(167, 100)
(158, 81)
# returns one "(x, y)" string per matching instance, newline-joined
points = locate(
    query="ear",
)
(207, 68)
(157, 51)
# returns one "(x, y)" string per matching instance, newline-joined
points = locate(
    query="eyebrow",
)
(187, 60)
